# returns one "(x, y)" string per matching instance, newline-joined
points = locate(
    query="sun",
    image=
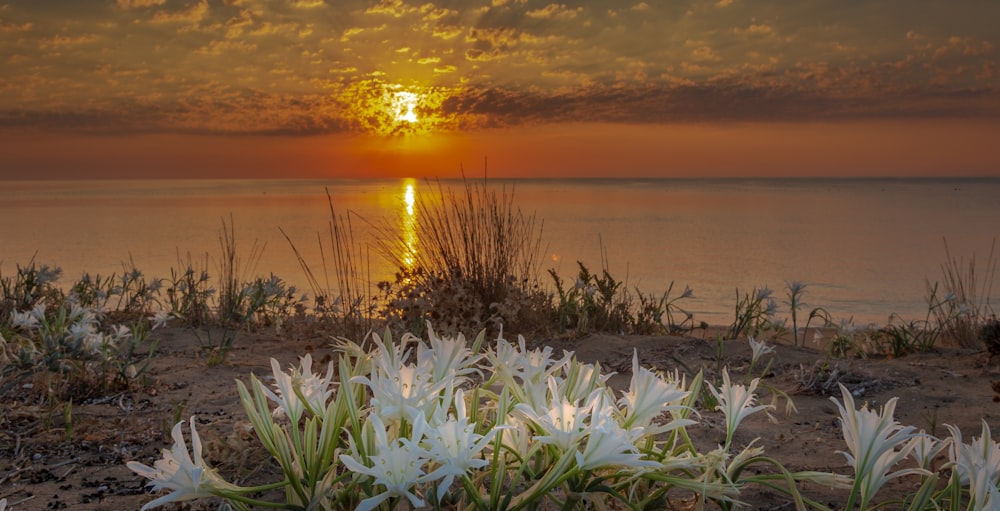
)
(403, 105)
(394, 110)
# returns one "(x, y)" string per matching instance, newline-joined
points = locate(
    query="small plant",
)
(595, 302)
(29, 286)
(901, 337)
(67, 352)
(654, 315)
(136, 296)
(189, 292)
(795, 289)
(847, 339)
(989, 335)
(754, 313)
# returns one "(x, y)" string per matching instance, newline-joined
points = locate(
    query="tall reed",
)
(968, 288)
(348, 299)
(234, 272)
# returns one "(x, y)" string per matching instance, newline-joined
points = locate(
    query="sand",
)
(45, 465)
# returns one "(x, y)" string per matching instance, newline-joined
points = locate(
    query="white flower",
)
(404, 392)
(525, 372)
(187, 477)
(96, 342)
(447, 358)
(563, 424)
(758, 349)
(580, 380)
(648, 396)
(121, 332)
(736, 402)
(78, 314)
(977, 464)
(81, 331)
(872, 439)
(926, 448)
(300, 389)
(160, 319)
(608, 443)
(26, 320)
(455, 446)
(397, 466)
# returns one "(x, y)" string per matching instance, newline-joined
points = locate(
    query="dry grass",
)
(968, 288)
(347, 300)
(473, 243)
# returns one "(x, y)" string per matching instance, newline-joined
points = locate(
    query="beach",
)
(55, 465)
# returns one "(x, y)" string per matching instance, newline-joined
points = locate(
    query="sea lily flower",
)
(608, 443)
(648, 396)
(26, 320)
(736, 402)
(977, 464)
(397, 465)
(160, 319)
(300, 389)
(876, 443)
(189, 477)
(580, 380)
(563, 424)
(448, 358)
(404, 392)
(524, 371)
(926, 448)
(121, 332)
(758, 349)
(455, 446)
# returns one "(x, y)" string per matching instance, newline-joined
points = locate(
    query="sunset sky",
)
(344, 88)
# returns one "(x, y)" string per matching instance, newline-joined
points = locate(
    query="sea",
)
(866, 249)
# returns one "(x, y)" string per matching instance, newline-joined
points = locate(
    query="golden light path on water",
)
(408, 225)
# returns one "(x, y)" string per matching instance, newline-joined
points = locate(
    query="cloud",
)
(554, 11)
(192, 15)
(394, 8)
(221, 110)
(216, 48)
(63, 41)
(132, 4)
(755, 29)
(15, 27)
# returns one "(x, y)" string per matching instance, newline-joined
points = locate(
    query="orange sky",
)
(317, 88)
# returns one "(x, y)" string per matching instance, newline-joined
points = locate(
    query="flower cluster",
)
(877, 443)
(445, 422)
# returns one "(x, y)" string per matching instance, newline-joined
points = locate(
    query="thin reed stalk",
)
(967, 303)
(234, 273)
(351, 304)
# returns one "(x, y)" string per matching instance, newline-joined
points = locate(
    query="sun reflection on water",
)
(408, 223)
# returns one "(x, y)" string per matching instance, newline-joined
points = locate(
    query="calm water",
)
(864, 247)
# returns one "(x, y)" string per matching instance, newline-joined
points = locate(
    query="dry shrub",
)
(474, 263)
